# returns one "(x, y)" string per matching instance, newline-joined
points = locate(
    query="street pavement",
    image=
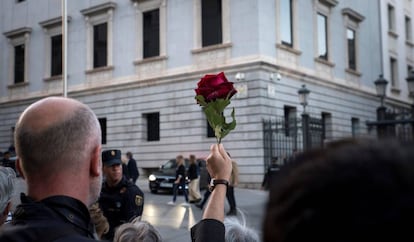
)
(174, 221)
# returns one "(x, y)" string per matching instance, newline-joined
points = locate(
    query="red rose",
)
(212, 87)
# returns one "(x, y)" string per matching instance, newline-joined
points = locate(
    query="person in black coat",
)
(271, 173)
(133, 172)
(61, 182)
(180, 180)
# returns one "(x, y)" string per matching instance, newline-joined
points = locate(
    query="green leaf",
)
(200, 99)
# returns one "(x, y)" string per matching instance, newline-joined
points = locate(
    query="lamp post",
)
(410, 84)
(303, 94)
(388, 120)
(303, 97)
(381, 87)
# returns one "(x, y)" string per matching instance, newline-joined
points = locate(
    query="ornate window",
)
(19, 40)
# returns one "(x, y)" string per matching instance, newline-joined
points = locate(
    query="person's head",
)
(192, 159)
(58, 139)
(349, 191)
(112, 166)
(180, 160)
(238, 232)
(6, 155)
(129, 155)
(137, 231)
(7, 176)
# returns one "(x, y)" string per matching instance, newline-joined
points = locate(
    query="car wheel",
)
(154, 191)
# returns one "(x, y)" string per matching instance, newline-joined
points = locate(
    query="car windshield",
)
(173, 164)
(170, 164)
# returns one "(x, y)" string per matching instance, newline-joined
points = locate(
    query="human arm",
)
(211, 228)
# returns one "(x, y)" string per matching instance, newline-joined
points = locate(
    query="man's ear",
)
(19, 167)
(96, 163)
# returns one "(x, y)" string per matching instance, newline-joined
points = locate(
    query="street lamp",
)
(410, 82)
(381, 86)
(303, 97)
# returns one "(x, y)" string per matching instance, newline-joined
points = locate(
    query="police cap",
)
(111, 157)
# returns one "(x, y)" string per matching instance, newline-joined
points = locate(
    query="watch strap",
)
(215, 182)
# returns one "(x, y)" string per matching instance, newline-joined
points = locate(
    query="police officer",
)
(270, 174)
(120, 200)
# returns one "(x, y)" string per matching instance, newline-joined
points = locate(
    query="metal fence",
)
(393, 125)
(283, 137)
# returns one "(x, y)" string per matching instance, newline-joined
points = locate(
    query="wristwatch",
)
(215, 182)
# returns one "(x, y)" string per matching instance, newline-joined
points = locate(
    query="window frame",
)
(18, 37)
(103, 126)
(100, 45)
(352, 20)
(323, 8)
(325, 39)
(150, 36)
(51, 27)
(197, 25)
(393, 68)
(208, 31)
(93, 16)
(142, 6)
(355, 127)
(391, 18)
(292, 23)
(150, 126)
(408, 29)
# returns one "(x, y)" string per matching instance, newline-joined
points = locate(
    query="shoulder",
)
(208, 230)
(57, 232)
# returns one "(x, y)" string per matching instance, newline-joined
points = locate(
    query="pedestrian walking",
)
(234, 181)
(194, 177)
(180, 181)
(133, 172)
(207, 194)
(270, 174)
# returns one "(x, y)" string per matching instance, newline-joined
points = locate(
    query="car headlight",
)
(152, 177)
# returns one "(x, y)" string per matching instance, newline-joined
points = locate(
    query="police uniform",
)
(121, 203)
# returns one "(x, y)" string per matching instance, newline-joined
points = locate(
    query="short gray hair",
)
(137, 231)
(239, 232)
(66, 141)
(7, 176)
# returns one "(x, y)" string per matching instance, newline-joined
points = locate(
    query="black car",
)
(164, 178)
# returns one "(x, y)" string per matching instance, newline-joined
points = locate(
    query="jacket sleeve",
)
(208, 230)
(134, 203)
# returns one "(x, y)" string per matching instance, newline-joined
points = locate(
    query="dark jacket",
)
(56, 218)
(270, 176)
(180, 171)
(133, 172)
(208, 230)
(193, 171)
(120, 204)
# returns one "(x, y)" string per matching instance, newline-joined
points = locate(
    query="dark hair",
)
(350, 191)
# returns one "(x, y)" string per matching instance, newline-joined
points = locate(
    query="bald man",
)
(58, 144)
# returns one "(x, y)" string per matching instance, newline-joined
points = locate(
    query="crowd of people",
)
(350, 190)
